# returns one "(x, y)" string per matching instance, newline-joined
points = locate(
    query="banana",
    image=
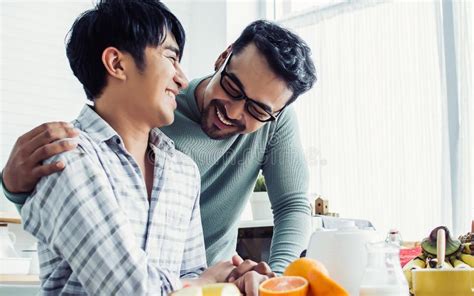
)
(468, 248)
(431, 262)
(447, 264)
(468, 259)
(415, 263)
(458, 264)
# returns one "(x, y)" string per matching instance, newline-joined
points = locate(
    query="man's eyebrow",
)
(173, 49)
(237, 81)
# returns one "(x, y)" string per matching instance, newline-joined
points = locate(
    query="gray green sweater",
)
(229, 169)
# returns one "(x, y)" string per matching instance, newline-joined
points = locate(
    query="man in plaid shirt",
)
(123, 216)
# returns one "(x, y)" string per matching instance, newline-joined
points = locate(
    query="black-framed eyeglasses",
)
(233, 87)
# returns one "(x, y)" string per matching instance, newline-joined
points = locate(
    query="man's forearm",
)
(287, 176)
(18, 199)
(290, 237)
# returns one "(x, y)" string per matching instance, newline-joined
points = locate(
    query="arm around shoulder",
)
(18, 199)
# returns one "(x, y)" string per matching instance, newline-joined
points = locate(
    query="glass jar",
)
(394, 236)
(383, 274)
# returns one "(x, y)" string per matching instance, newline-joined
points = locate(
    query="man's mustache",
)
(222, 110)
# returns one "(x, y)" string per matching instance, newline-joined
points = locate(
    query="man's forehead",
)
(259, 80)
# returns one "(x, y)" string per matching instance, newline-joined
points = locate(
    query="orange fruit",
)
(284, 285)
(303, 266)
(320, 284)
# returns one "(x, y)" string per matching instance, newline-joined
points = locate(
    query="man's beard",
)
(213, 131)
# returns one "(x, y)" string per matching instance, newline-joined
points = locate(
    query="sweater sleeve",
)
(286, 175)
(18, 199)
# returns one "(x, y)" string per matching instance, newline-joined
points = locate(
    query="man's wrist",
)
(16, 198)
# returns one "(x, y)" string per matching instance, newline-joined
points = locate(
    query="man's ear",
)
(222, 57)
(113, 61)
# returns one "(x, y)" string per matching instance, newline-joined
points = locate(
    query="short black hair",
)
(286, 53)
(128, 25)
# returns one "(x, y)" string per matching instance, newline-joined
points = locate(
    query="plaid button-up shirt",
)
(97, 232)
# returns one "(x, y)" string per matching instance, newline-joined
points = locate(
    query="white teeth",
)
(221, 118)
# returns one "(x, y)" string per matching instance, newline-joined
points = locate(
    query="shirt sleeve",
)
(194, 256)
(286, 175)
(18, 199)
(75, 213)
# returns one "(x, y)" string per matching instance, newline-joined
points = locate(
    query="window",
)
(287, 8)
(376, 128)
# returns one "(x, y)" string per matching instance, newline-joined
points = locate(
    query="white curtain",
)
(463, 36)
(373, 126)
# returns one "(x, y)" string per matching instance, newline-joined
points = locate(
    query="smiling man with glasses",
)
(233, 124)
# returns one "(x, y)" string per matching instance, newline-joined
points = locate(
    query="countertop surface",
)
(10, 217)
(19, 279)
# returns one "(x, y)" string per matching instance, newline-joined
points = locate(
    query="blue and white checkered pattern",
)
(99, 235)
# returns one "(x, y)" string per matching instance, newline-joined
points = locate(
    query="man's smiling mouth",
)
(222, 119)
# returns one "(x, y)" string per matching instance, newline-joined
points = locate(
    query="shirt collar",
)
(100, 131)
(96, 127)
(162, 141)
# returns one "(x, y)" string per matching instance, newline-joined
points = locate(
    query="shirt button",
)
(117, 141)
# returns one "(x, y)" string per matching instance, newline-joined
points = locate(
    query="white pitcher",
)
(343, 253)
(7, 240)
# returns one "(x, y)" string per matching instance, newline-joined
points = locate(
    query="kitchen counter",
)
(19, 285)
(10, 217)
(19, 279)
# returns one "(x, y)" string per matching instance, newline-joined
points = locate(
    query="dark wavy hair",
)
(286, 53)
(128, 25)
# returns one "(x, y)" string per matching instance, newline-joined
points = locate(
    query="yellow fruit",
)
(415, 263)
(468, 259)
(220, 290)
(468, 248)
(285, 285)
(320, 284)
(458, 264)
(209, 290)
(191, 291)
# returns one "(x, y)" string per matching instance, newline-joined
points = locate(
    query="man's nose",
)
(179, 77)
(235, 109)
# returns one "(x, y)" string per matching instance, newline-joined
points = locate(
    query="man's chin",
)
(216, 134)
(165, 120)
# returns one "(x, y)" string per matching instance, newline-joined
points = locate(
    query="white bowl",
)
(16, 265)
